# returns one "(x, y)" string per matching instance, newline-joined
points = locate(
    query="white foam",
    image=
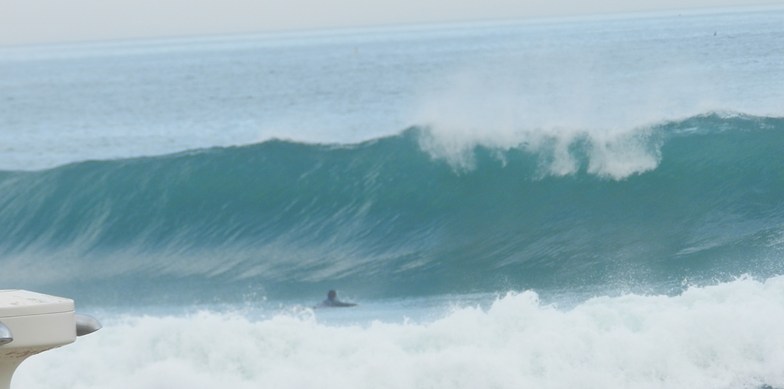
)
(723, 336)
(551, 93)
(548, 103)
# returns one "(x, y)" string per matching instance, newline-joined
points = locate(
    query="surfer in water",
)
(333, 302)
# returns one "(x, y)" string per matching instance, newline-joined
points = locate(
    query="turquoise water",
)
(385, 218)
(593, 202)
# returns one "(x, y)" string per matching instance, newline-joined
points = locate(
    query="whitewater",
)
(591, 202)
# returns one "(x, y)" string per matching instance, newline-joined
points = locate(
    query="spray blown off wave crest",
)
(610, 154)
(386, 215)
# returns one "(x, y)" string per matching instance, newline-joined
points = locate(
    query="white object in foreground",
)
(31, 323)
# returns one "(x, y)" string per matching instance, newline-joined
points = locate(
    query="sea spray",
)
(617, 173)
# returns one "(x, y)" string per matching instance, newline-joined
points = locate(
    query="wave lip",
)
(611, 154)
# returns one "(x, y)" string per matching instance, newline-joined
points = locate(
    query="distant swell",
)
(390, 214)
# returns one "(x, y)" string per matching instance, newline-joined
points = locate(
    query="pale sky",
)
(52, 21)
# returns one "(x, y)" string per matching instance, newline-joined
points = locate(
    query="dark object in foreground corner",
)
(86, 324)
(32, 323)
(333, 302)
(5, 335)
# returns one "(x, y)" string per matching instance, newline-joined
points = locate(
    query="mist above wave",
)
(563, 101)
(494, 84)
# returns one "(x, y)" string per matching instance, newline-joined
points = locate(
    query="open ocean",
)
(575, 203)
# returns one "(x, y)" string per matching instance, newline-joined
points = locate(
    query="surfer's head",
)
(331, 295)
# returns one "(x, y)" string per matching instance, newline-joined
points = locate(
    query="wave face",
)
(395, 216)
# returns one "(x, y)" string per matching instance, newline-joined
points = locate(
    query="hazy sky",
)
(43, 21)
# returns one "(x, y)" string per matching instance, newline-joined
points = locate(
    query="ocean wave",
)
(701, 197)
